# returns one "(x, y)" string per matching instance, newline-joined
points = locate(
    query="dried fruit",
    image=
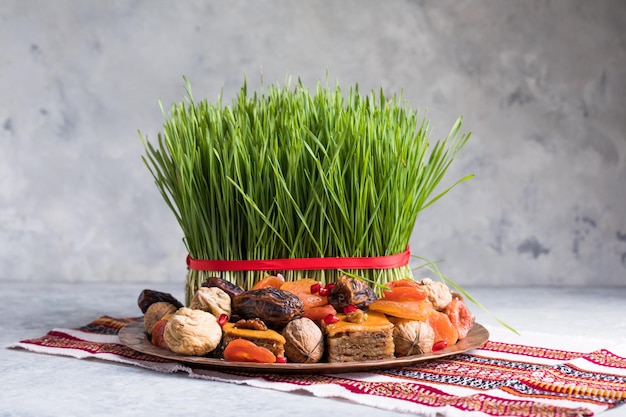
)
(303, 288)
(405, 293)
(437, 292)
(460, 316)
(242, 350)
(269, 281)
(192, 332)
(157, 337)
(413, 310)
(274, 306)
(304, 341)
(149, 297)
(349, 290)
(228, 287)
(156, 312)
(318, 313)
(405, 282)
(444, 330)
(212, 299)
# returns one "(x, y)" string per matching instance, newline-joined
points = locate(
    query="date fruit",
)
(275, 307)
(149, 297)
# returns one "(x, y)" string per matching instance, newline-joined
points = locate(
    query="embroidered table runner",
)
(531, 375)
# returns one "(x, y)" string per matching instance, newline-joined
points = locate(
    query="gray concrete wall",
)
(541, 84)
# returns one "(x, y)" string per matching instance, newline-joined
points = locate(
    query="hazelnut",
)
(412, 337)
(212, 299)
(156, 312)
(304, 341)
(192, 332)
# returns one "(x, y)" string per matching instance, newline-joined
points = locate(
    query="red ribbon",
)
(294, 264)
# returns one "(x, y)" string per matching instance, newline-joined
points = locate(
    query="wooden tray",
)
(133, 336)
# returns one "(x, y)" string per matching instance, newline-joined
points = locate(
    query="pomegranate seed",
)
(222, 320)
(349, 309)
(281, 359)
(315, 288)
(330, 319)
(440, 345)
(324, 291)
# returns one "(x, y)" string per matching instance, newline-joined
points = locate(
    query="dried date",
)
(148, 297)
(275, 307)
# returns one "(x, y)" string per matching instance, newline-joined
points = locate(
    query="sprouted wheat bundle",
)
(308, 178)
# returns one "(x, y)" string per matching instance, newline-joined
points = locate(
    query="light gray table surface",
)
(44, 385)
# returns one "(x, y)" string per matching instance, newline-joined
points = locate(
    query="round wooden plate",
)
(133, 336)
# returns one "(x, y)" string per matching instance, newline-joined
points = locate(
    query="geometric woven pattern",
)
(498, 379)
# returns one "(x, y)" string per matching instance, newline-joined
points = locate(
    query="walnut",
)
(437, 292)
(212, 299)
(192, 332)
(356, 316)
(412, 337)
(304, 341)
(156, 312)
(252, 324)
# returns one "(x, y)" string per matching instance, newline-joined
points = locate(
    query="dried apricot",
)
(408, 309)
(302, 288)
(269, 281)
(157, 338)
(242, 350)
(460, 317)
(319, 312)
(403, 293)
(406, 282)
(443, 327)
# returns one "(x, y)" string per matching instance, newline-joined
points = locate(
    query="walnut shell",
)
(412, 337)
(212, 299)
(192, 332)
(156, 312)
(304, 341)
